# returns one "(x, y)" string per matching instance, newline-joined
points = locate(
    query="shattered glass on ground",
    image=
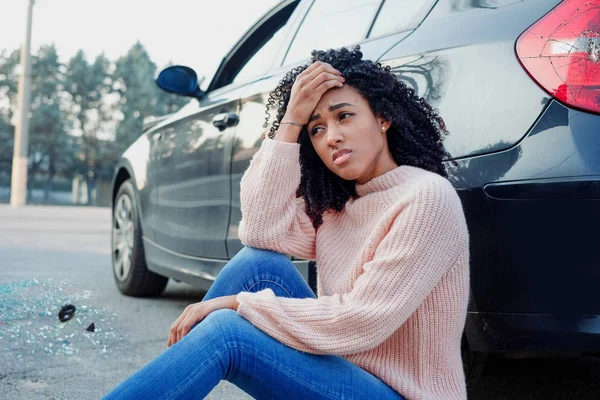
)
(29, 323)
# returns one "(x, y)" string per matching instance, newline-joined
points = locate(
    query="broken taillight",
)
(561, 52)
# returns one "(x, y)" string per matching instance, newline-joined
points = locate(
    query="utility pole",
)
(18, 191)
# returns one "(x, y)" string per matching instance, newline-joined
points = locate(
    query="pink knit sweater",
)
(392, 272)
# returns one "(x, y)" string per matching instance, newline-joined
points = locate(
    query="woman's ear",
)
(385, 125)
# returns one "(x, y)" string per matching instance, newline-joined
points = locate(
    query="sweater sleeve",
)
(273, 218)
(427, 237)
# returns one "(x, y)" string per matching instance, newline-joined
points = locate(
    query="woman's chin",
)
(347, 174)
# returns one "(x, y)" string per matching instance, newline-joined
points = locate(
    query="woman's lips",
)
(341, 156)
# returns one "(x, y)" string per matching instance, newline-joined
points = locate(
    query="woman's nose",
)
(334, 135)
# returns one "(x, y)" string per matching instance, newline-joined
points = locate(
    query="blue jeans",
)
(226, 346)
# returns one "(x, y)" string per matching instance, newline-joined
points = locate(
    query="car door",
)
(193, 178)
(345, 23)
(194, 186)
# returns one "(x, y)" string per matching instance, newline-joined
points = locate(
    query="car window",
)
(332, 24)
(261, 38)
(262, 59)
(400, 15)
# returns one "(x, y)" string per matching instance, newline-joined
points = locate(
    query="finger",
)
(302, 75)
(325, 86)
(309, 73)
(173, 334)
(185, 327)
(172, 337)
(324, 67)
(183, 315)
(325, 76)
(310, 68)
(175, 326)
(180, 331)
(307, 86)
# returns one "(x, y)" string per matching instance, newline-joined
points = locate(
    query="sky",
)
(197, 33)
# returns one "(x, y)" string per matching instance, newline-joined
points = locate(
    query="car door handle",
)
(225, 120)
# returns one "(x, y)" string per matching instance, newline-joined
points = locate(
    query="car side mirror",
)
(180, 80)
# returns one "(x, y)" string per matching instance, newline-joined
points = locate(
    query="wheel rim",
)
(123, 234)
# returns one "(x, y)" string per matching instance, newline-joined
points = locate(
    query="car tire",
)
(473, 363)
(130, 271)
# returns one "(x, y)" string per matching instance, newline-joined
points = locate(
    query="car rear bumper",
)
(490, 332)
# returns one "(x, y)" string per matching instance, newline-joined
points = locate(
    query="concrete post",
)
(18, 192)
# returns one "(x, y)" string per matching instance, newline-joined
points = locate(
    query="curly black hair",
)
(415, 136)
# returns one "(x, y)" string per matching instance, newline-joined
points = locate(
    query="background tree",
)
(8, 93)
(83, 115)
(7, 146)
(9, 62)
(89, 87)
(50, 148)
(49, 145)
(139, 97)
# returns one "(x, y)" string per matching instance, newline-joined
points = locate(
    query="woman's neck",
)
(382, 166)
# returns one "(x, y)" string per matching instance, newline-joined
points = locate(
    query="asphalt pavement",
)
(50, 256)
(53, 255)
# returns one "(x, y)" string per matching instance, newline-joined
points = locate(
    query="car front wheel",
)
(131, 274)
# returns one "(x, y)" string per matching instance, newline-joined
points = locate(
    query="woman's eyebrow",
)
(340, 105)
(331, 108)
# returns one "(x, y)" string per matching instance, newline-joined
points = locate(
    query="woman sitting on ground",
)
(352, 176)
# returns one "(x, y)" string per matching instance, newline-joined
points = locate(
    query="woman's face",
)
(348, 137)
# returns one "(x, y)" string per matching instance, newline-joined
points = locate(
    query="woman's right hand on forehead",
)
(307, 90)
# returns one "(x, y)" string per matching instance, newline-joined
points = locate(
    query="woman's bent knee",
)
(261, 259)
(251, 253)
(227, 324)
(222, 316)
(252, 270)
(212, 325)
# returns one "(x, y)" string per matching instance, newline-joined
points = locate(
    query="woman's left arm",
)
(426, 239)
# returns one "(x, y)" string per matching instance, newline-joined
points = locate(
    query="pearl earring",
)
(383, 128)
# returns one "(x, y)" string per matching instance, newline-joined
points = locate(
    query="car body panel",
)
(197, 271)
(193, 183)
(138, 163)
(452, 73)
(533, 212)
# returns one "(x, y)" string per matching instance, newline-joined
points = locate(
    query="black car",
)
(518, 85)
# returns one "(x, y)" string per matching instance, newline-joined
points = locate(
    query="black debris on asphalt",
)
(66, 312)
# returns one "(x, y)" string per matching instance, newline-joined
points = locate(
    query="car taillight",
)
(561, 52)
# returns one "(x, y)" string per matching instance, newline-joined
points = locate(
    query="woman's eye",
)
(315, 130)
(341, 117)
